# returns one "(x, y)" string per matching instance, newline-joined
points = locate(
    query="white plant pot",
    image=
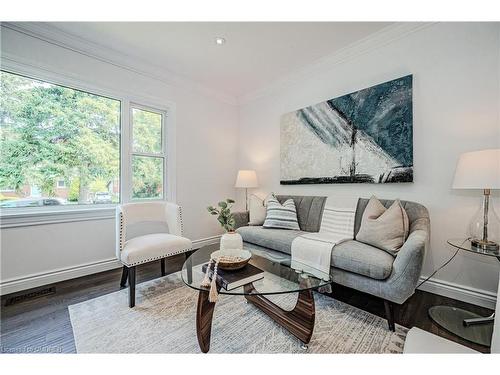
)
(231, 241)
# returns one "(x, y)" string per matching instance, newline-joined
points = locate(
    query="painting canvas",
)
(362, 137)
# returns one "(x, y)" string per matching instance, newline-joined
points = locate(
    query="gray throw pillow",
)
(385, 228)
(282, 216)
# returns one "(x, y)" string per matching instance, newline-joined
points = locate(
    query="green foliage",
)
(225, 217)
(147, 131)
(147, 175)
(74, 190)
(98, 185)
(50, 132)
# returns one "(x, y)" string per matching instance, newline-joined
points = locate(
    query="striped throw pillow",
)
(282, 216)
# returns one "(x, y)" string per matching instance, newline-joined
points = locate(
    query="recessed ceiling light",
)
(220, 41)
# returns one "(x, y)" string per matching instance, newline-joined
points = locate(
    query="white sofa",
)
(420, 341)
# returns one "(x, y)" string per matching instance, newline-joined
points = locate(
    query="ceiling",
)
(254, 54)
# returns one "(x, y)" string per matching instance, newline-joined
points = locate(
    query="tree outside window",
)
(51, 133)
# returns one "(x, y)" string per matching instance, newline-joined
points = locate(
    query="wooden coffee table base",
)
(299, 321)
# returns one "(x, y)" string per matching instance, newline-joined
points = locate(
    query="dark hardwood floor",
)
(42, 324)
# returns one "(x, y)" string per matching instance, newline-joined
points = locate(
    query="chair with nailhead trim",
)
(146, 232)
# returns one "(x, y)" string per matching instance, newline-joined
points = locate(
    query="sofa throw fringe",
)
(313, 251)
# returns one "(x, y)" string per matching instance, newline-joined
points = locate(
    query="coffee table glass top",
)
(281, 275)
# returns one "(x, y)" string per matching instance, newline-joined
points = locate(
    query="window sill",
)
(43, 216)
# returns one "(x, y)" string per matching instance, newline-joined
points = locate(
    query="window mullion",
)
(126, 156)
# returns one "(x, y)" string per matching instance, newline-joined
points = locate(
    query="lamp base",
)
(485, 245)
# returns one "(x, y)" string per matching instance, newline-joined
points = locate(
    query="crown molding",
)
(368, 44)
(55, 36)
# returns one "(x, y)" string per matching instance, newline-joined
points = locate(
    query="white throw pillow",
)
(385, 228)
(257, 210)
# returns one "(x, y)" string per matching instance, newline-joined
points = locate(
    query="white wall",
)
(206, 168)
(456, 108)
(456, 98)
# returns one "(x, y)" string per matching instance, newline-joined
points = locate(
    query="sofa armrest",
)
(407, 266)
(241, 219)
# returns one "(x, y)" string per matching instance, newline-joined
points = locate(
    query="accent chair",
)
(146, 232)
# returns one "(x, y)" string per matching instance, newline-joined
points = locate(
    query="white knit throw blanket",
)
(313, 251)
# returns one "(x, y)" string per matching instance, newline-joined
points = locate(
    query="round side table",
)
(465, 324)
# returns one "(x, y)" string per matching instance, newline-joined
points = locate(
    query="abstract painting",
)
(362, 137)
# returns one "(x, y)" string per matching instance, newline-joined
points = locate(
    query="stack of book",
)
(234, 279)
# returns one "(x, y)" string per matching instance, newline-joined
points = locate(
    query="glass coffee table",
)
(281, 275)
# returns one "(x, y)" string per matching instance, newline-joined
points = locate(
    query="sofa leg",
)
(162, 262)
(131, 286)
(123, 281)
(389, 314)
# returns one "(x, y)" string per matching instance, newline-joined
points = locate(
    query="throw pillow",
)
(385, 228)
(257, 210)
(282, 216)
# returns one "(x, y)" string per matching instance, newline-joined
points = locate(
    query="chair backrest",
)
(144, 211)
(144, 218)
(309, 210)
(495, 340)
(418, 216)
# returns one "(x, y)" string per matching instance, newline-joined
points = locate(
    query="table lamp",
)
(246, 179)
(481, 170)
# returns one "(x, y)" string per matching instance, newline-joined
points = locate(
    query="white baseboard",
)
(37, 280)
(474, 296)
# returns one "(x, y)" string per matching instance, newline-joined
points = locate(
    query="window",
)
(60, 146)
(148, 156)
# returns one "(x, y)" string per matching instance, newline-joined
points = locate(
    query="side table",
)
(465, 324)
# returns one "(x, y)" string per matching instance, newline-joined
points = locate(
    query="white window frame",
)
(20, 217)
(162, 154)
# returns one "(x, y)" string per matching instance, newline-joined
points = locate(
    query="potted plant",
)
(230, 239)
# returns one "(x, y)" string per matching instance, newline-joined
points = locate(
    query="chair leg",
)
(389, 314)
(123, 281)
(162, 262)
(131, 286)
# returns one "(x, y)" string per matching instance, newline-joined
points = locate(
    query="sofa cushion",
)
(385, 228)
(275, 239)
(418, 216)
(363, 259)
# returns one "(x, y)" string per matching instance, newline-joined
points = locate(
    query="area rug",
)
(163, 321)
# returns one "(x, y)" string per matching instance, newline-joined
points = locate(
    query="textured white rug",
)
(163, 321)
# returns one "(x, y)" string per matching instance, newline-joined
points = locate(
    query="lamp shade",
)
(478, 170)
(246, 179)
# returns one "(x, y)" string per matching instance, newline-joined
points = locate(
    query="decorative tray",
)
(231, 260)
